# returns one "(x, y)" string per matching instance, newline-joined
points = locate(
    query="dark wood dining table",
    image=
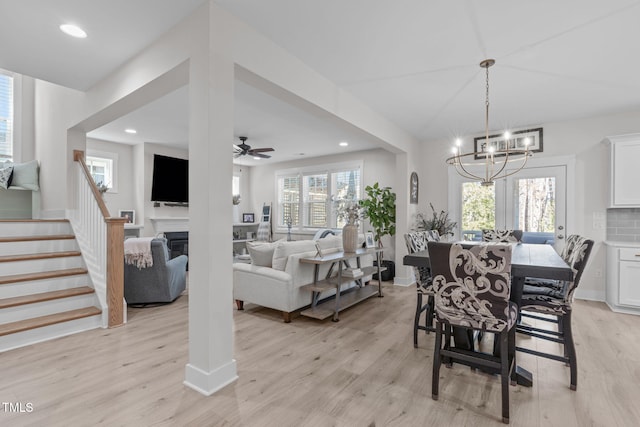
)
(527, 260)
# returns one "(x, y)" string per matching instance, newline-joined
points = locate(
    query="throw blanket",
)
(137, 251)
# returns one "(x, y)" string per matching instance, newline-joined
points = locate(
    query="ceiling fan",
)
(243, 149)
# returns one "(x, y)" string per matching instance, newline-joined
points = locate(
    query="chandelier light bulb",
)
(507, 135)
(527, 141)
(454, 150)
(458, 142)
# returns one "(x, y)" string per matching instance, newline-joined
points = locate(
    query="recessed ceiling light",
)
(132, 131)
(73, 31)
(343, 144)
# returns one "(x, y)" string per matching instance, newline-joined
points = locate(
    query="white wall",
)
(123, 199)
(582, 138)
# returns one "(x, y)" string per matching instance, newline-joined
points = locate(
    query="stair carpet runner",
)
(45, 289)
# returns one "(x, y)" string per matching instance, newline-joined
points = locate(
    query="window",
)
(6, 116)
(478, 209)
(103, 168)
(304, 195)
(235, 185)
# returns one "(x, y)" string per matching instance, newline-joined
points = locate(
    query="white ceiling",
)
(415, 62)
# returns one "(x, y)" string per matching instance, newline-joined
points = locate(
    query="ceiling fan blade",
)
(262, 156)
(260, 150)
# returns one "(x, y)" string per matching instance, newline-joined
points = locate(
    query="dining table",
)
(527, 260)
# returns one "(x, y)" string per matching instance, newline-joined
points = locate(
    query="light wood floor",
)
(361, 371)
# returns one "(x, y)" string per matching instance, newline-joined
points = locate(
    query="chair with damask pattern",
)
(417, 241)
(472, 288)
(502, 236)
(556, 299)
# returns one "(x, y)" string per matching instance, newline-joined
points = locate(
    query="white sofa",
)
(277, 284)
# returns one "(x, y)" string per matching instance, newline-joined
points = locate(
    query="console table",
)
(348, 297)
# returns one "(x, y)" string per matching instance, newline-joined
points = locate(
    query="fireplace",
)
(178, 243)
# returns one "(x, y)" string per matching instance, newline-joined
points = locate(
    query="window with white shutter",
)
(6, 116)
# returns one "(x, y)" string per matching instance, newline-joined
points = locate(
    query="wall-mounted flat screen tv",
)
(170, 180)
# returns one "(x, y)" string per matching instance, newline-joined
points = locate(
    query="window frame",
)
(109, 157)
(15, 117)
(301, 173)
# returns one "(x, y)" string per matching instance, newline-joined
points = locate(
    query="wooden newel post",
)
(115, 270)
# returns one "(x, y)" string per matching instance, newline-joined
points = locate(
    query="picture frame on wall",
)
(129, 215)
(516, 141)
(248, 217)
(369, 241)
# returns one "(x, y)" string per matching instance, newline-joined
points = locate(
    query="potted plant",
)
(379, 207)
(437, 221)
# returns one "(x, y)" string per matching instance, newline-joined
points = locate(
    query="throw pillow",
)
(261, 253)
(284, 249)
(330, 244)
(25, 175)
(5, 176)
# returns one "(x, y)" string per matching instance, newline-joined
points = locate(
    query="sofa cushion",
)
(330, 244)
(5, 176)
(284, 249)
(25, 175)
(261, 253)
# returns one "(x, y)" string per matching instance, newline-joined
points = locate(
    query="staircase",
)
(45, 289)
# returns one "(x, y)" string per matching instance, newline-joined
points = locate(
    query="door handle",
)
(560, 227)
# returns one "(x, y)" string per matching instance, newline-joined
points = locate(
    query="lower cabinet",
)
(623, 277)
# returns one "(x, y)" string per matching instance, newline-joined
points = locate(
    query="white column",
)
(211, 365)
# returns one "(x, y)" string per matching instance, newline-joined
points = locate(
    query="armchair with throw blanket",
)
(161, 282)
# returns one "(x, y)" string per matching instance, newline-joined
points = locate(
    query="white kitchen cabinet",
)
(624, 155)
(623, 277)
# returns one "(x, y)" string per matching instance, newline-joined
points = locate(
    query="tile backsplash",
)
(623, 225)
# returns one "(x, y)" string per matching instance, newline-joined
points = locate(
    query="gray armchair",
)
(163, 282)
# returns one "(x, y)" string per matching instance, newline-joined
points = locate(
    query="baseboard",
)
(623, 310)
(208, 383)
(590, 295)
(403, 281)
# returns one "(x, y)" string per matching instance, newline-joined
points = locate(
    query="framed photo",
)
(129, 215)
(515, 142)
(248, 217)
(369, 240)
(413, 188)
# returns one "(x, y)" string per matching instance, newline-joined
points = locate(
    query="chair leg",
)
(430, 310)
(437, 361)
(570, 349)
(504, 374)
(240, 304)
(416, 321)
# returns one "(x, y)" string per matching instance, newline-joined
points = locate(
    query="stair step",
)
(41, 275)
(45, 296)
(38, 322)
(43, 255)
(11, 239)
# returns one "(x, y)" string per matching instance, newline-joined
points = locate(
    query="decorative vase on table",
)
(350, 237)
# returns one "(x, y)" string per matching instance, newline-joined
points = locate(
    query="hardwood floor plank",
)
(360, 371)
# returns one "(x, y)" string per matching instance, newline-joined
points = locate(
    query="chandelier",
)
(495, 157)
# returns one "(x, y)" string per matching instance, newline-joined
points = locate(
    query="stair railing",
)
(101, 239)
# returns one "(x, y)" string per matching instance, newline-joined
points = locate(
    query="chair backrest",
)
(577, 260)
(569, 245)
(472, 286)
(433, 235)
(416, 241)
(502, 236)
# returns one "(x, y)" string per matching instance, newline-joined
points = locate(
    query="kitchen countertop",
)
(625, 244)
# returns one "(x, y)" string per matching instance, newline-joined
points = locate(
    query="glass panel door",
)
(536, 204)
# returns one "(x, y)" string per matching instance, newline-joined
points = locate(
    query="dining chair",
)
(566, 253)
(556, 301)
(416, 241)
(502, 236)
(472, 288)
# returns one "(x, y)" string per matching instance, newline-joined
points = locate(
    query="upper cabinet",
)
(624, 169)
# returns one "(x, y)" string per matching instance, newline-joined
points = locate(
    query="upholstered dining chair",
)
(504, 236)
(557, 301)
(566, 254)
(416, 241)
(471, 291)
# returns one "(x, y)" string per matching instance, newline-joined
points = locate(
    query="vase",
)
(350, 238)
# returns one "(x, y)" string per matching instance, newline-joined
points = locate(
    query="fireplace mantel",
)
(169, 224)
